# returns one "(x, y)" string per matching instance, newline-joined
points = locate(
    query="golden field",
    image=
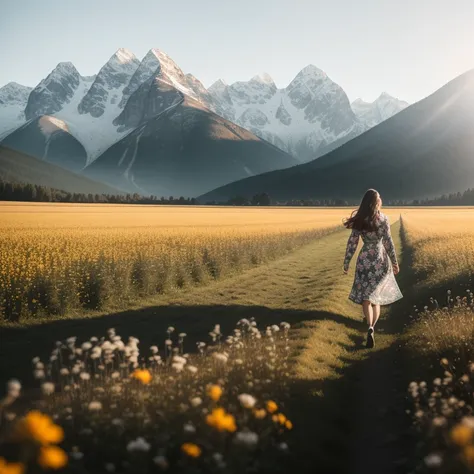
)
(56, 258)
(442, 240)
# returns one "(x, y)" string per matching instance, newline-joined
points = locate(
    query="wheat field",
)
(59, 258)
(442, 240)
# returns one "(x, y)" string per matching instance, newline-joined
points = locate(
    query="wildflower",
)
(182, 335)
(85, 376)
(246, 400)
(170, 329)
(288, 425)
(275, 328)
(177, 366)
(86, 346)
(196, 401)
(192, 450)
(444, 361)
(11, 467)
(221, 357)
(95, 406)
(468, 454)
(143, 375)
(47, 388)
(139, 444)
(214, 392)
(161, 462)
(154, 349)
(433, 460)
(285, 326)
(39, 374)
(248, 439)
(217, 329)
(116, 389)
(461, 435)
(52, 457)
(280, 418)
(39, 427)
(179, 360)
(168, 342)
(468, 421)
(238, 361)
(221, 421)
(189, 428)
(13, 388)
(260, 413)
(64, 371)
(272, 407)
(192, 369)
(437, 381)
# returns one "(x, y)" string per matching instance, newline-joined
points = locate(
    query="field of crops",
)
(442, 241)
(56, 258)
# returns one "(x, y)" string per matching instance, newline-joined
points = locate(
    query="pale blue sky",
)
(408, 48)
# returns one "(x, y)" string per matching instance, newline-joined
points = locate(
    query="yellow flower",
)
(279, 418)
(272, 407)
(143, 375)
(214, 392)
(11, 467)
(288, 425)
(39, 427)
(260, 413)
(52, 457)
(469, 455)
(221, 421)
(461, 435)
(192, 450)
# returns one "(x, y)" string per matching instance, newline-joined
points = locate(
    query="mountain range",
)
(145, 126)
(424, 151)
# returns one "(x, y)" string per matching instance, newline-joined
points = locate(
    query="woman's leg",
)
(376, 312)
(368, 312)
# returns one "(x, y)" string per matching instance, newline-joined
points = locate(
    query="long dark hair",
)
(365, 218)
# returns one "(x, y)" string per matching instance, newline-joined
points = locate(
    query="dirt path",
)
(342, 396)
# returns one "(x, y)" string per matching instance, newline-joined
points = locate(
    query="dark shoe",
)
(370, 339)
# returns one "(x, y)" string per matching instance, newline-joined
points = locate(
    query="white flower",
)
(246, 400)
(285, 325)
(189, 428)
(275, 328)
(116, 388)
(179, 360)
(182, 335)
(35, 360)
(47, 388)
(170, 329)
(39, 374)
(71, 340)
(433, 460)
(192, 369)
(239, 361)
(64, 371)
(14, 388)
(154, 349)
(161, 462)
(201, 345)
(85, 376)
(246, 438)
(217, 329)
(220, 357)
(196, 401)
(468, 421)
(86, 346)
(115, 375)
(95, 406)
(138, 445)
(39, 366)
(76, 455)
(168, 342)
(177, 366)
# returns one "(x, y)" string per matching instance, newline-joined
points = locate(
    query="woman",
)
(374, 282)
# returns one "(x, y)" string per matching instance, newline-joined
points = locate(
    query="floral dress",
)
(374, 279)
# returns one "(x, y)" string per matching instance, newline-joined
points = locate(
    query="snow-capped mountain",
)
(88, 115)
(373, 113)
(13, 100)
(311, 112)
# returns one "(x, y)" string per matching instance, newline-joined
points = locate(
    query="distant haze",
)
(407, 48)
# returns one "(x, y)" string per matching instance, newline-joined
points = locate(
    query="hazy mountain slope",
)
(18, 167)
(373, 113)
(48, 138)
(184, 150)
(425, 150)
